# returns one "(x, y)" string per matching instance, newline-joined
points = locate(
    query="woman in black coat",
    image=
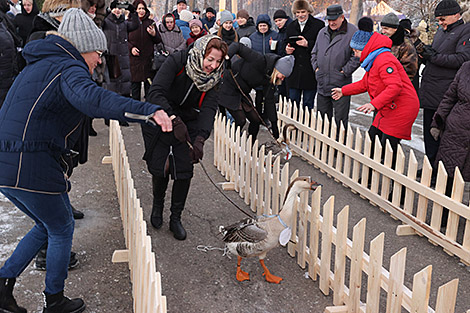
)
(253, 70)
(141, 46)
(185, 86)
(24, 21)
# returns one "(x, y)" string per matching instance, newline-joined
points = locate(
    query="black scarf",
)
(228, 36)
(399, 37)
(343, 29)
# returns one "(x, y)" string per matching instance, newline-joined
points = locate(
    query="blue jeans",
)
(54, 223)
(308, 96)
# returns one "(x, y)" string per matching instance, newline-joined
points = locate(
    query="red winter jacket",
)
(390, 90)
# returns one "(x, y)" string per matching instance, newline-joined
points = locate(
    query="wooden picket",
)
(311, 219)
(394, 190)
(146, 281)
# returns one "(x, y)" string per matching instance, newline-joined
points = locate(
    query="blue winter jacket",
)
(260, 42)
(42, 113)
(184, 26)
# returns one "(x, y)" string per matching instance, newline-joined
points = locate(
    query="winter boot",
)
(77, 215)
(58, 303)
(7, 301)
(40, 261)
(178, 200)
(159, 185)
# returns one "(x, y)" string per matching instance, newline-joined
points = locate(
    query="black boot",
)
(7, 301)
(77, 215)
(58, 303)
(179, 194)
(40, 261)
(159, 185)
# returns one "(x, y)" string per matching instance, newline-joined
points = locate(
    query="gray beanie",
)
(390, 20)
(285, 65)
(225, 16)
(246, 42)
(82, 31)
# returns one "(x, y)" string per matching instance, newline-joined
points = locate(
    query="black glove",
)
(180, 131)
(197, 152)
(131, 8)
(428, 52)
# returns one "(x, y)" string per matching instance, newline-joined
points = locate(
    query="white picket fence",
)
(146, 281)
(260, 180)
(350, 164)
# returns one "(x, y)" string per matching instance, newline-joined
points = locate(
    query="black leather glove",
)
(180, 131)
(197, 152)
(428, 52)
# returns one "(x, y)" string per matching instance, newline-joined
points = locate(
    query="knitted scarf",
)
(195, 69)
(369, 61)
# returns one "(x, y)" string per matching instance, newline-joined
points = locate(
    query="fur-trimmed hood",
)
(301, 5)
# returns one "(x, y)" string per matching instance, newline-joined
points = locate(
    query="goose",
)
(257, 236)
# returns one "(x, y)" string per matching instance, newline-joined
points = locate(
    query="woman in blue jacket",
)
(37, 130)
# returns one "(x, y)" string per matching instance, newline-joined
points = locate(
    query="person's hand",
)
(151, 30)
(289, 49)
(366, 108)
(135, 51)
(180, 131)
(428, 52)
(336, 93)
(162, 119)
(197, 152)
(303, 42)
(435, 133)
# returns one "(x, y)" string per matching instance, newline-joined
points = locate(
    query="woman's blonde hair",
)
(274, 80)
(58, 7)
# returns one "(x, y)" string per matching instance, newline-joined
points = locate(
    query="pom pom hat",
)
(361, 37)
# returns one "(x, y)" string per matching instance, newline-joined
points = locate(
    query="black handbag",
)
(159, 57)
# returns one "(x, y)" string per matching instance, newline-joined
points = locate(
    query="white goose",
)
(257, 236)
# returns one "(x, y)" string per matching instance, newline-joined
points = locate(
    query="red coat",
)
(390, 90)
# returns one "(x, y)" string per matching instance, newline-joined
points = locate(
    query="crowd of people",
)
(83, 60)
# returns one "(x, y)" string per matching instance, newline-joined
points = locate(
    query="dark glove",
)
(435, 133)
(131, 8)
(197, 152)
(180, 131)
(428, 52)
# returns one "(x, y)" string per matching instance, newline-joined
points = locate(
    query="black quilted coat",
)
(453, 116)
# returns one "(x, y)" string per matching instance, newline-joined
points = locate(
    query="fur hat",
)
(366, 24)
(301, 5)
(447, 7)
(186, 15)
(210, 9)
(195, 22)
(390, 20)
(80, 29)
(225, 16)
(57, 8)
(406, 24)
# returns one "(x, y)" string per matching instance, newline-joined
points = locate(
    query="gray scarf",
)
(195, 70)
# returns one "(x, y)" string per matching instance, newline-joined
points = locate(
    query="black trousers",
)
(431, 146)
(136, 88)
(394, 141)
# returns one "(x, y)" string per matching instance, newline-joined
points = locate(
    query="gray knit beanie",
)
(285, 65)
(390, 20)
(82, 31)
(225, 16)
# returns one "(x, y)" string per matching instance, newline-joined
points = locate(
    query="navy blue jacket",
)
(259, 41)
(43, 111)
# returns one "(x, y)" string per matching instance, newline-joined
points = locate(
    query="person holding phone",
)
(141, 46)
(302, 82)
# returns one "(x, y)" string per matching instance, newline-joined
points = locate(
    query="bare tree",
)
(417, 10)
(356, 11)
